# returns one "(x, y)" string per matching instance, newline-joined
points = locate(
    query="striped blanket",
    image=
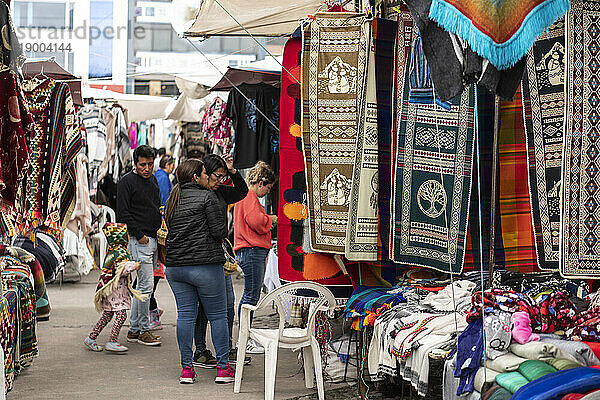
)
(515, 246)
(367, 303)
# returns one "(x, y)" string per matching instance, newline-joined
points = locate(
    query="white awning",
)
(140, 107)
(260, 18)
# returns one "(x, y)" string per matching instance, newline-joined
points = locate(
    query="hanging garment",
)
(433, 181)
(453, 63)
(142, 134)
(15, 133)
(123, 161)
(95, 129)
(469, 352)
(110, 119)
(256, 139)
(133, 135)
(388, 38)
(501, 32)
(334, 67)
(477, 252)
(543, 105)
(195, 144)
(11, 52)
(216, 125)
(66, 132)
(515, 246)
(579, 221)
(81, 219)
(293, 209)
(363, 208)
(50, 189)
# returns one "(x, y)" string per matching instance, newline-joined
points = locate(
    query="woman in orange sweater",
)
(252, 238)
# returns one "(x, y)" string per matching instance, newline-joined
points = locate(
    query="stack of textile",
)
(18, 310)
(404, 336)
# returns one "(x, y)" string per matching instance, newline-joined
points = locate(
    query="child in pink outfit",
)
(114, 291)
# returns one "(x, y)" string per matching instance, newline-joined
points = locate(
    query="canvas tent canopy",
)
(260, 18)
(265, 71)
(54, 70)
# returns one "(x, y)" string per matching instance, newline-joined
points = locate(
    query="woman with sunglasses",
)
(218, 170)
(194, 263)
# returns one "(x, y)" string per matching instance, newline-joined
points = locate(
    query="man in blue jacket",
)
(166, 167)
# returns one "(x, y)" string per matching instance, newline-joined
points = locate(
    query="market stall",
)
(427, 163)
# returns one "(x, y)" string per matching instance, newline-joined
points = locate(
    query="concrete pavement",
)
(65, 369)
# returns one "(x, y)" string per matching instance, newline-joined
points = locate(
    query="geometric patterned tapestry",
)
(293, 212)
(434, 162)
(544, 108)
(363, 219)
(580, 230)
(404, 42)
(334, 59)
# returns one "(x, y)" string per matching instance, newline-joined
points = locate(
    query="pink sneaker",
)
(187, 375)
(225, 375)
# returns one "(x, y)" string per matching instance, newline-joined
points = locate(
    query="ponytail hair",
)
(261, 172)
(184, 173)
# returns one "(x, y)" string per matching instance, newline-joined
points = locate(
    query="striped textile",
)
(515, 245)
(27, 349)
(544, 108)
(334, 59)
(66, 124)
(404, 40)
(293, 211)
(501, 31)
(580, 245)
(362, 229)
(479, 225)
(384, 42)
(9, 326)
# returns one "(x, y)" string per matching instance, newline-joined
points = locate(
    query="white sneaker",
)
(253, 347)
(115, 347)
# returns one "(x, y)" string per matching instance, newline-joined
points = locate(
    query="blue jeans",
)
(202, 320)
(205, 284)
(253, 261)
(146, 255)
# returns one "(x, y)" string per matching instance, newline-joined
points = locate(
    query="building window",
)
(149, 12)
(40, 14)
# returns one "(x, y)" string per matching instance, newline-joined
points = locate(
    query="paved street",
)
(65, 369)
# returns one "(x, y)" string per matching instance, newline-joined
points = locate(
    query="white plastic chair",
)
(288, 338)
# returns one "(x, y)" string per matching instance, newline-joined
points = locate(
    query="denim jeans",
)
(253, 261)
(202, 320)
(146, 255)
(205, 284)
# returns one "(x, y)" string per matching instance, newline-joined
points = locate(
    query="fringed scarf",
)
(115, 262)
(501, 31)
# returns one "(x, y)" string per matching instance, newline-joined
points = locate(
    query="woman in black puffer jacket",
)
(194, 265)
(218, 170)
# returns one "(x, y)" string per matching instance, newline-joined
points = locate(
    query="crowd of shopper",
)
(193, 203)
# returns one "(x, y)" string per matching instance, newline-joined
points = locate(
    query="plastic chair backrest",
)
(111, 213)
(283, 297)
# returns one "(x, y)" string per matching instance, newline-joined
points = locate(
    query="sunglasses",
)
(220, 177)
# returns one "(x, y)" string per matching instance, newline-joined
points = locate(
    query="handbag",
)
(230, 265)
